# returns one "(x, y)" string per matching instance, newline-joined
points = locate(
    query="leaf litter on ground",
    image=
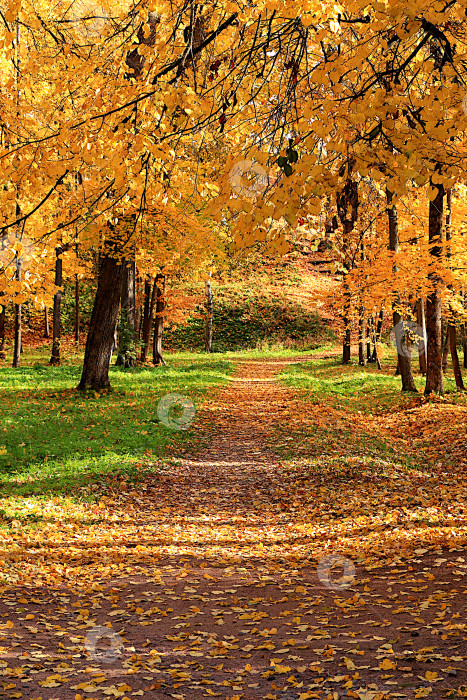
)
(215, 577)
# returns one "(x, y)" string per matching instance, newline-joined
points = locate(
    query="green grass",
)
(275, 350)
(355, 388)
(54, 439)
(352, 390)
(247, 320)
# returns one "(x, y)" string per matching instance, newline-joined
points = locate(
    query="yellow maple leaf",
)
(431, 676)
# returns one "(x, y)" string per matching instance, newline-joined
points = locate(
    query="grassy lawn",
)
(354, 388)
(59, 445)
(371, 457)
(56, 441)
(347, 408)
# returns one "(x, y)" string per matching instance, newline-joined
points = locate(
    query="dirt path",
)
(217, 580)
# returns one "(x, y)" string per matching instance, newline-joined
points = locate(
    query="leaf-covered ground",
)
(301, 554)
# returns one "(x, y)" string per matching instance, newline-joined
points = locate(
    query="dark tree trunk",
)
(46, 323)
(137, 309)
(451, 331)
(2, 332)
(56, 320)
(346, 345)
(362, 359)
(452, 335)
(403, 353)
(158, 322)
(434, 373)
(77, 311)
(209, 317)
(369, 325)
(17, 336)
(347, 209)
(420, 314)
(148, 321)
(18, 323)
(404, 365)
(375, 357)
(104, 317)
(127, 338)
(377, 337)
(444, 361)
(361, 337)
(464, 345)
(145, 311)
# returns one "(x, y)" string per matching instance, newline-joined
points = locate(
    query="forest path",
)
(237, 474)
(230, 575)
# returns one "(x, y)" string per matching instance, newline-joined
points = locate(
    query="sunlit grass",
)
(343, 406)
(55, 439)
(357, 388)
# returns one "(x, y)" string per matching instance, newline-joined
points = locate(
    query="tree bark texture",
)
(104, 317)
(434, 372)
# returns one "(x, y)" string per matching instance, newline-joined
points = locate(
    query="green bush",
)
(247, 323)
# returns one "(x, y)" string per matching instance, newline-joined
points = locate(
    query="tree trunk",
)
(420, 314)
(361, 337)
(375, 357)
(17, 337)
(464, 345)
(56, 320)
(2, 332)
(77, 311)
(434, 373)
(147, 325)
(403, 349)
(347, 209)
(444, 361)
(46, 323)
(127, 338)
(114, 343)
(158, 322)
(346, 345)
(18, 324)
(209, 316)
(137, 309)
(452, 335)
(451, 331)
(377, 336)
(369, 326)
(104, 317)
